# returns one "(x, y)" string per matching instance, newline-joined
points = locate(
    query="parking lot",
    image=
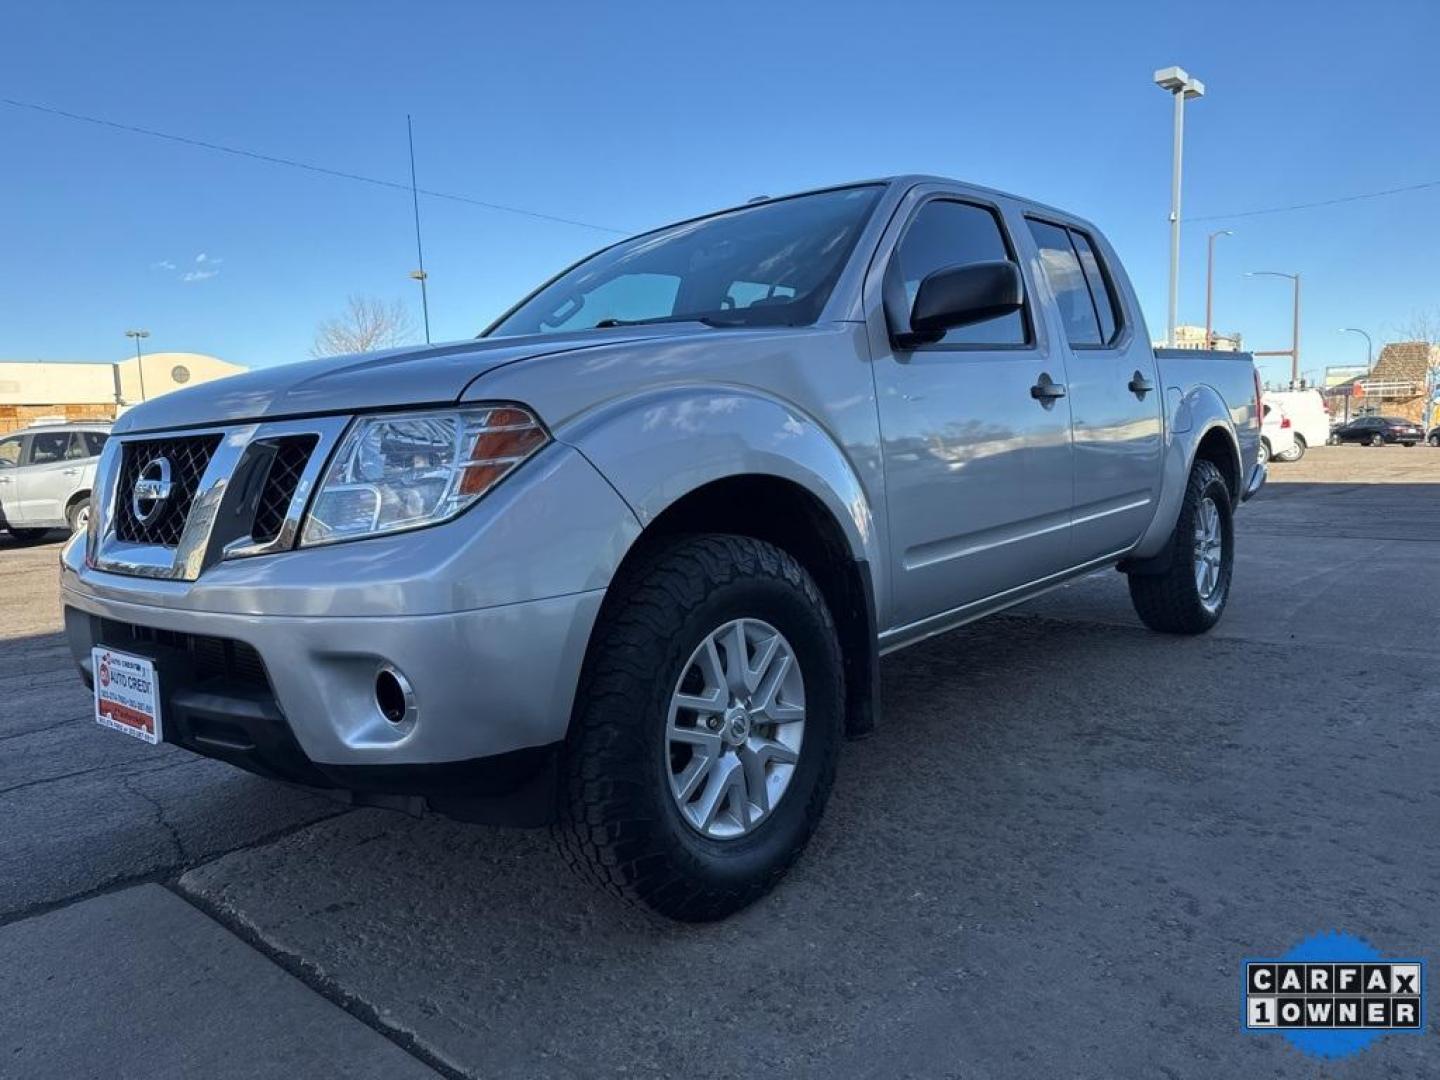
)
(1048, 862)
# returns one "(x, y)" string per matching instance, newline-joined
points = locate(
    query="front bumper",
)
(487, 617)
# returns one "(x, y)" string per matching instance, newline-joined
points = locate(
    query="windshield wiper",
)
(708, 320)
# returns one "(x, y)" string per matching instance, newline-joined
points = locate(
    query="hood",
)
(428, 375)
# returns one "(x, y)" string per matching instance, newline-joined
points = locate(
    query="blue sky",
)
(628, 115)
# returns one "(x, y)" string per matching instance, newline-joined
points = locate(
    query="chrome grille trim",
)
(221, 516)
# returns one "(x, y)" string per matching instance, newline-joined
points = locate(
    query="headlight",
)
(405, 470)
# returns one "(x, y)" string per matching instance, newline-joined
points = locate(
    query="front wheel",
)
(1189, 595)
(1434, 440)
(1377, 439)
(706, 728)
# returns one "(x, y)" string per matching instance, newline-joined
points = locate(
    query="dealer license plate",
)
(127, 694)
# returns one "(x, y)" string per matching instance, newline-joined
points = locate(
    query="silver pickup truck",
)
(627, 562)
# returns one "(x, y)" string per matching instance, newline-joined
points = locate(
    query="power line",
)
(307, 166)
(1322, 202)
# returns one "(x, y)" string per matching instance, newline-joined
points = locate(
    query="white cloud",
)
(211, 259)
(198, 275)
(163, 264)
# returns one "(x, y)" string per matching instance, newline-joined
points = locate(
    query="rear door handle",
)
(70, 472)
(1140, 386)
(1047, 391)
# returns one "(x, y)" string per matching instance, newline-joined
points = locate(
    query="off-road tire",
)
(1170, 601)
(618, 825)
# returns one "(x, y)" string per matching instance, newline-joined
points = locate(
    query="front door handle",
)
(69, 472)
(1139, 385)
(1047, 391)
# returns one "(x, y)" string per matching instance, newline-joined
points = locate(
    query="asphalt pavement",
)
(1049, 861)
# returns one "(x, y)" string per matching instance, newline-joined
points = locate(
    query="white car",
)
(1309, 419)
(1277, 435)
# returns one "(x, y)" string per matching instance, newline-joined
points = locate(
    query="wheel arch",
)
(1194, 439)
(781, 511)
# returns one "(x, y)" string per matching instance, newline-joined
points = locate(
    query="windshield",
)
(770, 264)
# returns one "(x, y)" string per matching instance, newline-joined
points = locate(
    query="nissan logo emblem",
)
(151, 491)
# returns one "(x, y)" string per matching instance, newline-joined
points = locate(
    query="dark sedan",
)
(1434, 437)
(1379, 430)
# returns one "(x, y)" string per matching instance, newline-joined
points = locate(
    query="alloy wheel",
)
(1209, 553)
(735, 727)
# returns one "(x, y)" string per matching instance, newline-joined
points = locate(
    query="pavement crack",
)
(119, 772)
(124, 780)
(311, 975)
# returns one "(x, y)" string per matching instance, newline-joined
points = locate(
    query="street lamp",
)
(139, 335)
(1181, 86)
(1369, 346)
(1294, 351)
(1210, 284)
(1369, 364)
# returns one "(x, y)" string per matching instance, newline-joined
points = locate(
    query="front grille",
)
(286, 467)
(189, 456)
(207, 657)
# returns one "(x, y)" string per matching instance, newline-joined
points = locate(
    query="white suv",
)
(46, 473)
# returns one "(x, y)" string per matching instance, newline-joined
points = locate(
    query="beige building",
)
(31, 391)
(1193, 337)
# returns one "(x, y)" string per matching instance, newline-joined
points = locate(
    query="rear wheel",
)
(1189, 595)
(78, 515)
(1264, 452)
(706, 728)
(1296, 454)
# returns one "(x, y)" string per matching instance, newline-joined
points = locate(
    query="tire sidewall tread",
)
(618, 825)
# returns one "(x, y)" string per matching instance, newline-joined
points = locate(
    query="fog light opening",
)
(394, 696)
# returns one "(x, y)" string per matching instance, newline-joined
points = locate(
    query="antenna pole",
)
(418, 275)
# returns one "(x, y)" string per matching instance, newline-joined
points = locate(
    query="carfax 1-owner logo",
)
(1333, 995)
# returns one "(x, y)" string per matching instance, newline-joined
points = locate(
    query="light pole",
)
(1294, 351)
(1369, 346)
(1210, 286)
(1369, 362)
(139, 335)
(1181, 86)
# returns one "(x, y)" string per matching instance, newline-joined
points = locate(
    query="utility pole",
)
(1181, 86)
(1294, 351)
(139, 335)
(418, 275)
(1210, 287)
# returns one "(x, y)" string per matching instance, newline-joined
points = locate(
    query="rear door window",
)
(94, 442)
(1103, 296)
(1066, 277)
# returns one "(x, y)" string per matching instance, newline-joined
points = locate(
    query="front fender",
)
(1194, 415)
(659, 445)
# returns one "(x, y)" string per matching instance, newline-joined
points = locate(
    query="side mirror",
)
(962, 296)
